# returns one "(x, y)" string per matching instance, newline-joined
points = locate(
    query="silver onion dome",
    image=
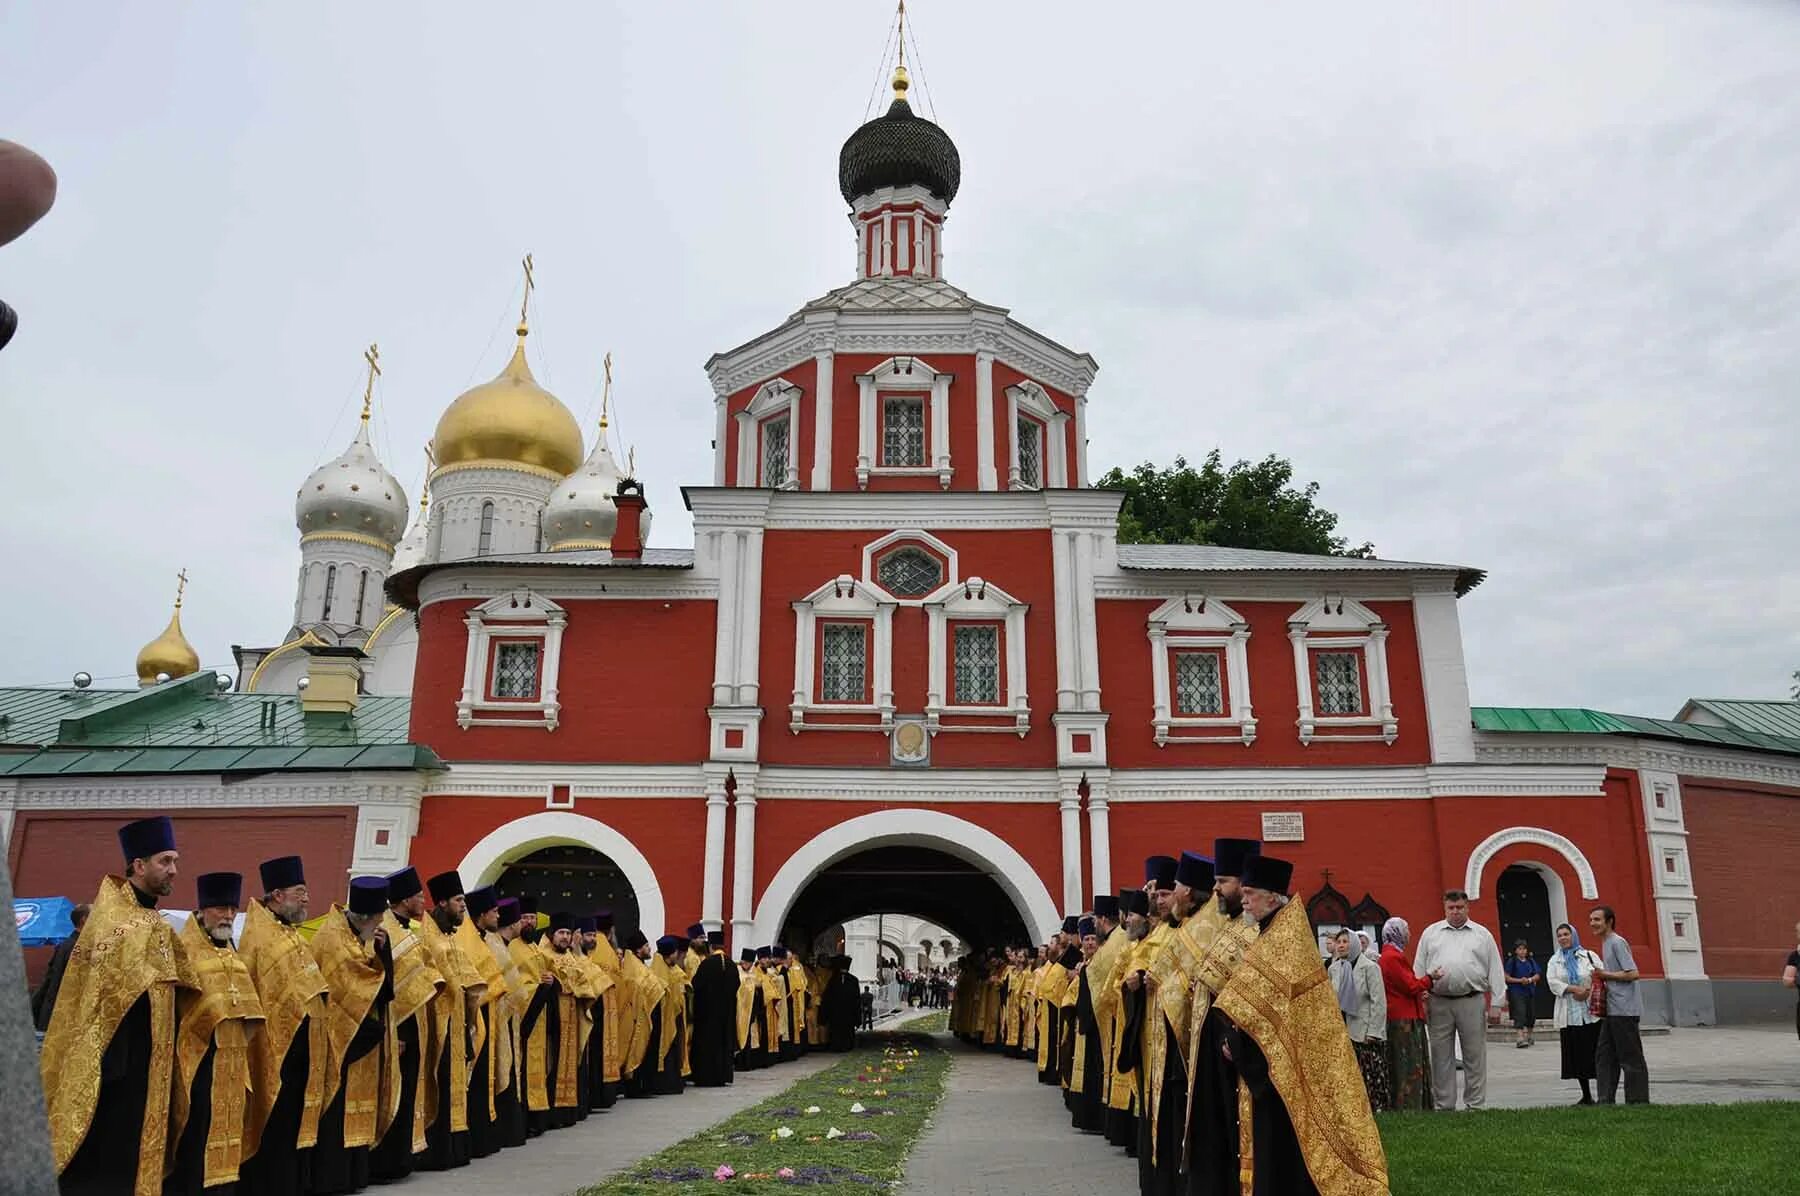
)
(352, 495)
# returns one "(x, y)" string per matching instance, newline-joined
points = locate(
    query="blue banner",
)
(43, 921)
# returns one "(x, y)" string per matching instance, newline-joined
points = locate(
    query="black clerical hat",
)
(508, 909)
(1071, 924)
(562, 921)
(1194, 871)
(715, 938)
(444, 886)
(368, 895)
(1229, 855)
(1135, 901)
(634, 940)
(746, 956)
(1070, 957)
(781, 952)
(1086, 927)
(1267, 872)
(1106, 906)
(481, 900)
(588, 925)
(147, 837)
(696, 931)
(765, 952)
(218, 888)
(282, 873)
(669, 943)
(1160, 871)
(402, 884)
(528, 905)
(603, 920)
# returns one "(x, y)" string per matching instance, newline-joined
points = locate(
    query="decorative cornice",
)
(584, 780)
(494, 466)
(1627, 751)
(374, 542)
(1269, 585)
(207, 792)
(564, 584)
(1351, 784)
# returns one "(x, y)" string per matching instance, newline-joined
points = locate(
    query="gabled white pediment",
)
(844, 595)
(1196, 612)
(1334, 612)
(519, 605)
(973, 598)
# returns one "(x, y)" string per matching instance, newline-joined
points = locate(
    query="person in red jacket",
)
(1409, 1052)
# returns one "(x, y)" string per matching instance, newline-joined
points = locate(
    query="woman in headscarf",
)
(1408, 1050)
(1571, 977)
(1363, 1001)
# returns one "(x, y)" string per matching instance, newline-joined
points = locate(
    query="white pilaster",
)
(1099, 838)
(1071, 849)
(719, 438)
(743, 867)
(1086, 629)
(1671, 876)
(1081, 462)
(725, 636)
(987, 476)
(749, 618)
(1446, 678)
(1062, 572)
(712, 888)
(821, 466)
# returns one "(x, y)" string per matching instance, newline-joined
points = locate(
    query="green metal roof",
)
(1770, 716)
(1577, 721)
(189, 726)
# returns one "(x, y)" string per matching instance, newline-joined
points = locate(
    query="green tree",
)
(1244, 506)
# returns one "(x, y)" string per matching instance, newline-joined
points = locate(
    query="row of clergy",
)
(315, 1057)
(1191, 1022)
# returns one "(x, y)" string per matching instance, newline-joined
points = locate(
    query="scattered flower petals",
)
(724, 1172)
(834, 1132)
(811, 1109)
(857, 1107)
(784, 1132)
(785, 1173)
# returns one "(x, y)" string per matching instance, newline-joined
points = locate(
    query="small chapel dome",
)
(352, 495)
(581, 512)
(509, 420)
(899, 149)
(413, 546)
(169, 654)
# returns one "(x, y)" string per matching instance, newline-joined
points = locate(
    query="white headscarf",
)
(1343, 973)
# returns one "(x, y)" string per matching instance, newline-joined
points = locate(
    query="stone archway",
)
(513, 841)
(931, 829)
(1533, 836)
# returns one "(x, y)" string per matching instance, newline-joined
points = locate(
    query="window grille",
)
(1198, 686)
(775, 452)
(515, 670)
(903, 432)
(1031, 453)
(330, 589)
(1339, 678)
(845, 663)
(909, 572)
(362, 597)
(977, 657)
(485, 544)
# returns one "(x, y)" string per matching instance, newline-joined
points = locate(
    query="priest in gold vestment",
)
(1095, 1008)
(453, 1025)
(288, 1059)
(610, 1029)
(1190, 917)
(1210, 947)
(416, 985)
(215, 1022)
(1124, 1094)
(506, 1055)
(108, 1059)
(1311, 1127)
(487, 1027)
(361, 1048)
(665, 1068)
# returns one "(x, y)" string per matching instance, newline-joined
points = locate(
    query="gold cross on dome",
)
(606, 389)
(372, 355)
(530, 285)
(180, 586)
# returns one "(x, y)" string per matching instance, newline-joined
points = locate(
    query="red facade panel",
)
(1743, 840)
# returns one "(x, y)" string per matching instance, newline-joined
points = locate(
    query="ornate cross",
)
(372, 355)
(530, 284)
(180, 586)
(605, 390)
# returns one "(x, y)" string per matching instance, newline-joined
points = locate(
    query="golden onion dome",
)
(169, 653)
(510, 420)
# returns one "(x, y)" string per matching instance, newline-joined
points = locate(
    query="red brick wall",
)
(1743, 842)
(634, 682)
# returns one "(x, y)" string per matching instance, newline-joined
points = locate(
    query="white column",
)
(712, 886)
(1071, 850)
(1446, 679)
(986, 476)
(743, 866)
(1081, 464)
(1062, 573)
(749, 619)
(821, 468)
(725, 637)
(1086, 631)
(1099, 840)
(719, 439)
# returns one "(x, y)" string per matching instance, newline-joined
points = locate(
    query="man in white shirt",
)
(1463, 962)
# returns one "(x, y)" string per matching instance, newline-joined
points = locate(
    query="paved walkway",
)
(999, 1131)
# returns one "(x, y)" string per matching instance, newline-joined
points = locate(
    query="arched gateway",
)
(513, 841)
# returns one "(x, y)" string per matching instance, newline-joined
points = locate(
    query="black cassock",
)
(1280, 1167)
(1212, 1137)
(279, 1168)
(1050, 1073)
(715, 1021)
(107, 1160)
(188, 1176)
(336, 1167)
(1122, 1124)
(43, 998)
(1163, 1178)
(1088, 1107)
(484, 1131)
(753, 1058)
(842, 1005)
(601, 1093)
(392, 1158)
(446, 1148)
(543, 1007)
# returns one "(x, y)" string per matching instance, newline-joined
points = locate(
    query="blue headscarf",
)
(1571, 955)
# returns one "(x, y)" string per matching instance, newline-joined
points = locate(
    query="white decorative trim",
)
(937, 786)
(488, 859)
(1666, 841)
(1537, 836)
(1444, 674)
(1367, 634)
(907, 535)
(777, 399)
(986, 476)
(563, 583)
(1028, 398)
(902, 373)
(975, 598)
(536, 781)
(822, 404)
(1632, 751)
(527, 615)
(1197, 621)
(844, 597)
(1409, 782)
(1069, 803)
(908, 827)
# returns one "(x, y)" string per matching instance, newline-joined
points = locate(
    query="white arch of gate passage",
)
(513, 841)
(1491, 846)
(909, 828)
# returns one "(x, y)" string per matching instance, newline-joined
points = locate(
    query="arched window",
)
(330, 589)
(538, 544)
(485, 545)
(362, 597)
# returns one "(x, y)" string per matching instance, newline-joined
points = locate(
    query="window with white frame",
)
(1037, 439)
(1031, 453)
(909, 572)
(510, 670)
(1340, 667)
(844, 662)
(775, 448)
(1199, 683)
(902, 431)
(977, 661)
(515, 670)
(485, 544)
(1200, 673)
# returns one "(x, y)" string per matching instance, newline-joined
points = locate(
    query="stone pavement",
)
(999, 1131)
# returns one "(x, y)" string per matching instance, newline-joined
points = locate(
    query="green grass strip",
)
(897, 1078)
(1645, 1150)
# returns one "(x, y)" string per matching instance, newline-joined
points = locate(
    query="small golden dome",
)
(511, 419)
(168, 653)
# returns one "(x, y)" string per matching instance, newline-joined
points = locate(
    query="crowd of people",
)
(1193, 1023)
(299, 1056)
(925, 988)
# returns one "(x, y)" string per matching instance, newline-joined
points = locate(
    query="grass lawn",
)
(1693, 1150)
(897, 1078)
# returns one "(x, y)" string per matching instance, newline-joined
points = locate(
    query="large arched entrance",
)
(1524, 902)
(572, 879)
(605, 861)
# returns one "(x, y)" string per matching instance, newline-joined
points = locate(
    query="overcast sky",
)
(1519, 285)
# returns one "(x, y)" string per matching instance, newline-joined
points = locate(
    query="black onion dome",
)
(899, 149)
